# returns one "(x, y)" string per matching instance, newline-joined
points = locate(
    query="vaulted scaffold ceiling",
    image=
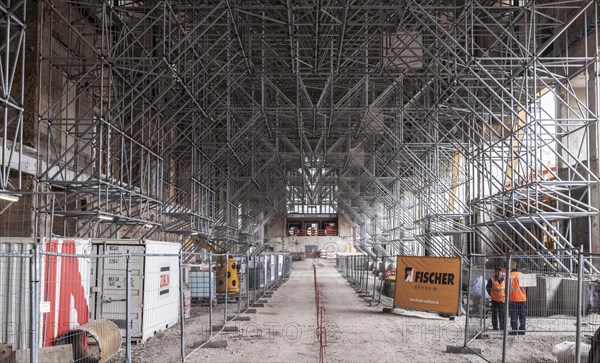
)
(421, 122)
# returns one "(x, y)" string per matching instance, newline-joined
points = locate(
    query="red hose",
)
(320, 331)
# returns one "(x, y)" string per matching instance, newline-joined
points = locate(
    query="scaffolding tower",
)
(433, 127)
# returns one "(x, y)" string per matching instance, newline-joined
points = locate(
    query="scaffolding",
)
(12, 81)
(433, 127)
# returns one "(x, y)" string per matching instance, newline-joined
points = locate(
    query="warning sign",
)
(428, 283)
(165, 280)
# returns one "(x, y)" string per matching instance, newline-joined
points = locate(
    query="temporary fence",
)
(17, 290)
(223, 286)
(81, 299)
(560, 289)
(321, 330)
(369, 276)
(561, 312)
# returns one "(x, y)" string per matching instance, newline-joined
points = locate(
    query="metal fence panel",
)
(555, 289)
(161, 287)
(15, 292)
(563, 302)
(109, 293)
(130, 290)
(220, 295)
(65, 287)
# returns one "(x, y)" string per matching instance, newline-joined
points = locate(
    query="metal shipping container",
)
(15, 292)
(154, 285)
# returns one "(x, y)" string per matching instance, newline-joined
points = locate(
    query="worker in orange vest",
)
(517, 304)
(496, 288)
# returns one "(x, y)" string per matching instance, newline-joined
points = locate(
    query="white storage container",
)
(154, 285)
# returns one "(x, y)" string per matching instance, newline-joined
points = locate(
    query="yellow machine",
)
(226, 268)
(227, 276)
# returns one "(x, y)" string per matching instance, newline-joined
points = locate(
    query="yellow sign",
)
(428, 283)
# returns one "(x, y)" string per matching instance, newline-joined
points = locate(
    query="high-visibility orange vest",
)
(517, 293)
(497, 293)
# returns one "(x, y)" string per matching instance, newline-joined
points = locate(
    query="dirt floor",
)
(167, 344)
(283, 331)
(357, 331)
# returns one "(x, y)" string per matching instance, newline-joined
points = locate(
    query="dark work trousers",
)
(518, 311)
(497, 312)
(594, 355)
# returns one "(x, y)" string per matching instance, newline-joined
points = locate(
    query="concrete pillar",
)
(32, 74)
(593, 94)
